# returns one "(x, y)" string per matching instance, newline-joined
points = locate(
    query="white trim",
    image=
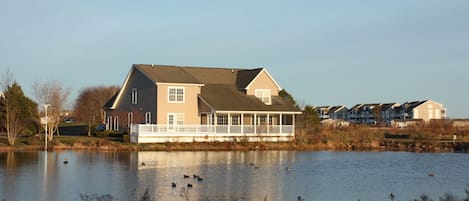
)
(176, 94)
(206, 103)
(147, 117)
(176, 119)
(124, 85)
(259, 93)
(264, 70)
(179, 84)
(257, 112)
(134, 96)
(130, 119)
(116, 123)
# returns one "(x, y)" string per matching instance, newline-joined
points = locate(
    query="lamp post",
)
(47, 123)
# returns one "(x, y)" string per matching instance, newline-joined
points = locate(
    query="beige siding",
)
(428, 110)
(263, 81)
(189, 107)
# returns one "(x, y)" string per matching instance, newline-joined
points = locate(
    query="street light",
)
(47, 122)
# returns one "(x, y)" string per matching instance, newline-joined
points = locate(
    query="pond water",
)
(232, 175)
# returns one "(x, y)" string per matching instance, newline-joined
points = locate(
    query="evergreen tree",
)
(19, 112)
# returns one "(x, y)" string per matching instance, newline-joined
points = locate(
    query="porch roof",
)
(221, 97)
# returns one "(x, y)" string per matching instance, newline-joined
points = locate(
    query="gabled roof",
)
(229, 98)
(222, 87)
(337, 108)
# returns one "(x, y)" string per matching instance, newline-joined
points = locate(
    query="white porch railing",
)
(163, 133)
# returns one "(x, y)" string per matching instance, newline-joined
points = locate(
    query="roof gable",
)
(222, 87)
(268, 75)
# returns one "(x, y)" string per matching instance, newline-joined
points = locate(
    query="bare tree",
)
(52, 92)
(90, 102)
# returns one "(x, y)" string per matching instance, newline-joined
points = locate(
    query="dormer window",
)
(264, 96)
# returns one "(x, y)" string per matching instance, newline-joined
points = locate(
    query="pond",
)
(231, 175)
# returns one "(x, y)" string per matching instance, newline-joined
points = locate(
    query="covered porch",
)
(222, 127)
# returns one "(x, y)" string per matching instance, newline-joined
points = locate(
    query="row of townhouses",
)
(384, 113)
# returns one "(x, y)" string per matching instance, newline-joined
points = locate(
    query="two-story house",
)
(159, 103)
(424, 110)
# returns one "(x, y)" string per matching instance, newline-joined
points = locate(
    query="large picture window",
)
(176, 94)
(264, 95)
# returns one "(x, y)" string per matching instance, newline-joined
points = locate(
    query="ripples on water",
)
(254, 175)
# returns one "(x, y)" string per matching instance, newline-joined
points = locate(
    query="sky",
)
(332, 52)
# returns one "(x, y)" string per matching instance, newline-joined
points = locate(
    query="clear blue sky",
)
(323, 52)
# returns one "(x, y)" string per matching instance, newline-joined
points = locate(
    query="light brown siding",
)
(189, 107)
(428, 110)
(263, 81)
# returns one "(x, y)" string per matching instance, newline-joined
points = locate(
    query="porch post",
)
(242, 123)
(281, 122)
(268, 123)
(229, 122)
(255, 123)
(293, 124)
(215, 123)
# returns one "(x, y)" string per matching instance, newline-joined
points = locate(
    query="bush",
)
(126, 138)
(105, 133)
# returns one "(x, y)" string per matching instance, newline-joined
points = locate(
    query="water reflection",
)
(226, 175)
(230, 175)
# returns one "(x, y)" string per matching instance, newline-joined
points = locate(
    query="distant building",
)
(385, 113)
(425, 110)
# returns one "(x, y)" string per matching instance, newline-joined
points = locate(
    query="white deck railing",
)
(151, 129)
(148, 133)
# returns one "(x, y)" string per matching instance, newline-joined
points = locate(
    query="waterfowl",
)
(189, 185)
(431, 175)
(195, 176)
(143, 164)
(186, 176)
(173, 185)
(199, 179)
(391, 196)
(65, 161)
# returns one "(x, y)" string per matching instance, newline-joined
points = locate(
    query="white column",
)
(281, 122)
(255, 123)
(268, 123)
(229, 122)
(293, 124)
(242, 123)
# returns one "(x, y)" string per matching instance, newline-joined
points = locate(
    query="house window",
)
(176, 118)
(109, 123)
(147, 117)
(222, 119)
(235, 120)
(130, 119)
(134, 96)
(176, 94)
(116, 123)
(264, 95)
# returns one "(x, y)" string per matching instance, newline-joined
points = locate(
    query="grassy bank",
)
(424, 138)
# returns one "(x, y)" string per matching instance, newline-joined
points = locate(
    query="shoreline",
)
(105, 144)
